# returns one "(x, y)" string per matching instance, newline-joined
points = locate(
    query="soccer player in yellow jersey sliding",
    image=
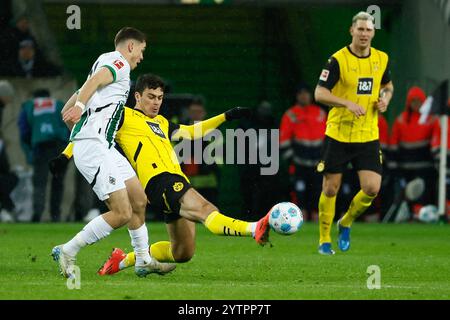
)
(145, 138)
(356, 85)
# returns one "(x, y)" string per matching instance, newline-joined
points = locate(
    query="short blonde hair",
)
(362, 15)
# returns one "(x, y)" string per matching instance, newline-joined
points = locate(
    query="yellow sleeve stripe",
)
(68, 151)
(199, 129)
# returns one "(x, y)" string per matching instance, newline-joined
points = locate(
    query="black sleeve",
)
(330, 74)
(172, 128)
(387, 75)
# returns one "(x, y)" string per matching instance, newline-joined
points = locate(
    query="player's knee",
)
(183, 254)
(330, 190)
(139, 204)
(124, 213)
(330, 187)
(204, 209)
(371, 189)
(329, 193)
(208, 207)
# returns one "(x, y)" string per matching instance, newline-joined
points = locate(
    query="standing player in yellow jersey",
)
(356, 85)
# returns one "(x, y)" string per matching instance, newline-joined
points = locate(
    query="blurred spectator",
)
(43, 135)
(7, 177)
(6, 95)
(411, 144)
(5, 13)
(436, 147)
(8, 50)
(20, 54)
(21, 30)
(259, 192)
(203, 177)
(30, 64)
(8, 182)
(302, 131)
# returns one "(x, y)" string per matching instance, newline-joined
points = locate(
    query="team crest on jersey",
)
(320, 166)
(324, 75)
(178, 186)
(112, 180)
(156, 129)
(119, 64)
(376, 66)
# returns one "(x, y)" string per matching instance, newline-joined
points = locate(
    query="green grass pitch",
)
(414, 262)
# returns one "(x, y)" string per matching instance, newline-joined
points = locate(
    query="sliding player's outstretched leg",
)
(181, 228)
(112, 264)
(197, 208)
(262, 229)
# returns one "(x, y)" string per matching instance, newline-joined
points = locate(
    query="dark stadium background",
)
(239, 52)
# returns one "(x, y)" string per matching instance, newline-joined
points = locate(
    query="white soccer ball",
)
(285, 218)
(429, 214)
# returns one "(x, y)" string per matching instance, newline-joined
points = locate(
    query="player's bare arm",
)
(324, 95)
(69, 104)
(386, 93)
(100, 79)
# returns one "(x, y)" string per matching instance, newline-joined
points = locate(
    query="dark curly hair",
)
(149, 81)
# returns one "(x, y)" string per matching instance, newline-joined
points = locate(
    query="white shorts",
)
(105, 169)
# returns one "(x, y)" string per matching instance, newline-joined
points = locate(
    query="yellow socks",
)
(327, 207)
(129, 261)
(216, 222)
(359, 204)
(222, 225)
(161, 251)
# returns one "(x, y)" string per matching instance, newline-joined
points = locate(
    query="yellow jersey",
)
(146, 144)
(359, 80)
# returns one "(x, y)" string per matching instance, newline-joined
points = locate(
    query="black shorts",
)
(164, 192)
(363, 156)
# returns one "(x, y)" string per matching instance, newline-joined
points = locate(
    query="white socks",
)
(94, 231)
(98, 229)
(252, 227)
(139, 241)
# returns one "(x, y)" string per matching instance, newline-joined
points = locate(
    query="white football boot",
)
(154, 266)
(65, 262)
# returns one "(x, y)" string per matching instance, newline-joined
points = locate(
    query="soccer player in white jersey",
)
(94, 113)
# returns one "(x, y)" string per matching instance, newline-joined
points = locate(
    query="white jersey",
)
(104, 109)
